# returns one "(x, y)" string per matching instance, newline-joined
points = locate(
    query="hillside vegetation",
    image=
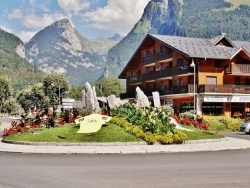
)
(18, 70)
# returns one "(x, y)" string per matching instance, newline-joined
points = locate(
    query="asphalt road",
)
(204, 169)
(240, 135)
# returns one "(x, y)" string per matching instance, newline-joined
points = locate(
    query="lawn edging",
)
(106, 143)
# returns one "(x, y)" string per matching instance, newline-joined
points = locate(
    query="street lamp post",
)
(193, 65)
(59, 95)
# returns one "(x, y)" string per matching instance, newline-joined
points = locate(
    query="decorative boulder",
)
(114, 102)
(89, 99)
(141, 98)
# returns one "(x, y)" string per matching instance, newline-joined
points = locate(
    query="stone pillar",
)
(198, 104)
(141, 98)
(89, 99)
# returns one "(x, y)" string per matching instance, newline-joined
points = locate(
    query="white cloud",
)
(25, 36)
(34, 21)
(73, 5)
(6, 29)
(118, 16)
(39, 21)
(16, 14)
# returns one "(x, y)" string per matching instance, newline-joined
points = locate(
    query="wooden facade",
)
(218, 84)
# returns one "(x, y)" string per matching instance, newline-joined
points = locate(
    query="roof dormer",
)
(222, 40)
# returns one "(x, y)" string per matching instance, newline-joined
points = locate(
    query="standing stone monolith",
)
(114, 102)
(89, 99)
(141, 98)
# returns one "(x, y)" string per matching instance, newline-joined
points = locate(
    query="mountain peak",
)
(161, 1)
(59, 48)
(116, 37)
(63, 23)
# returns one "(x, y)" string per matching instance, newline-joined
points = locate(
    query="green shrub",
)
(166, 139)
(222, 123)
(138, 132)
(179, 137)
(150, 138)
(155, 120)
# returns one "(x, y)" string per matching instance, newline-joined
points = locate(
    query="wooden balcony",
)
(149, 76)
(166, 73)
(187, 89)
(183, 89)
(182, 70)
(157, 57)
(238, 69)
(132, 80)
(226, 88)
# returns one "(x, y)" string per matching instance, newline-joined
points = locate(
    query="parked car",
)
(245, 127)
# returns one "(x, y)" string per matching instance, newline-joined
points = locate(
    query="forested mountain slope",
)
(14, 65)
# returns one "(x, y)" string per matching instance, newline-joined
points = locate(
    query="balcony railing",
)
(206, 88)
(226, 88)
(166, 91)
(183, 89)
(166, 73)
(134, 80)
(157, 57)
(238, 69)
(149, 76)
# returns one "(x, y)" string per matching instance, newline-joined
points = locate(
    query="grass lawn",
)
(199, 134)
(67, 133)
(109, 133)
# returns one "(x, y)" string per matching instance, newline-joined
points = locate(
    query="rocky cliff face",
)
(59, 48)
(157, 17)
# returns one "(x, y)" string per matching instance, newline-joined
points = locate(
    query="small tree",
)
(76, 92)
(10, 106)
(32, 98)
(55, 87)
(109, 86)
(5, 90)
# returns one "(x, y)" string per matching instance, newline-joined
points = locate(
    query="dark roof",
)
(219, 47)
(204, 48)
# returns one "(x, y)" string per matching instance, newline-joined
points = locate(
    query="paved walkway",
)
(124, 148)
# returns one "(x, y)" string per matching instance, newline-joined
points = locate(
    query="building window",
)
(161, 67)
(161, 86)
(147, 55)
(161, 50)
(217, 63)
(179, 82)
(180, 63)
(147, 71)
(131, 74)
(211, 80)
(240, 60)
(237, 80)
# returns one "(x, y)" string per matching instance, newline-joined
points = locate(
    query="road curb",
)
(105, 143)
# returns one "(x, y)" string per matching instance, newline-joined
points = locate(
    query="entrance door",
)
(237, 80)
(238, 109)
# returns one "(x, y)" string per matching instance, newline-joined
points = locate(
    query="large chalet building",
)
(210, 76)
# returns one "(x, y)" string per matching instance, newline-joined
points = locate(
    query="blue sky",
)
(91, 18)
